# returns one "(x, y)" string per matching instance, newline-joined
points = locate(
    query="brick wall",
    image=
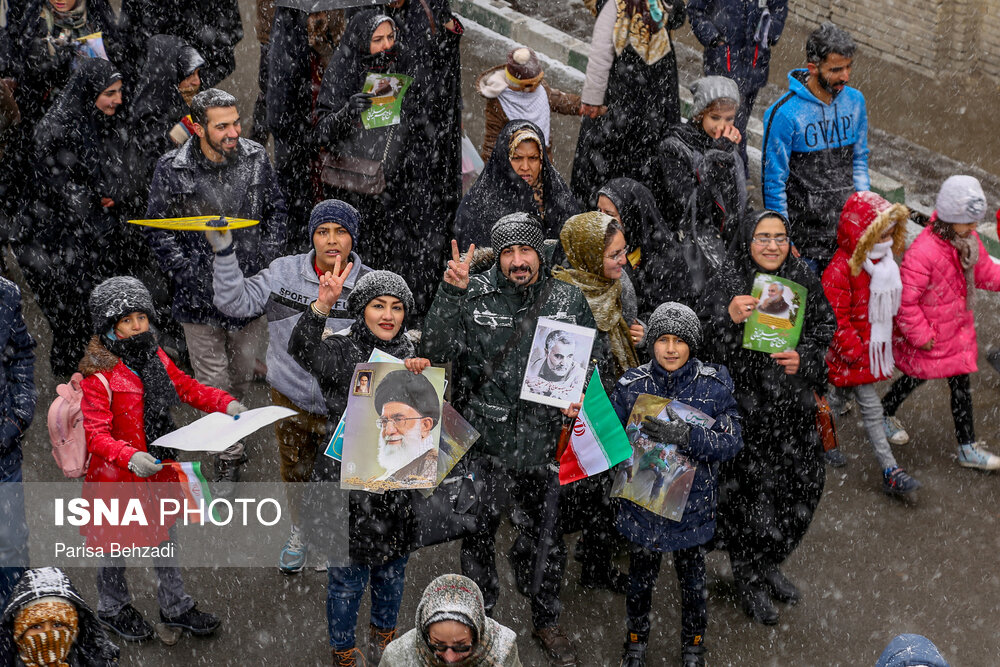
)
(934, 37)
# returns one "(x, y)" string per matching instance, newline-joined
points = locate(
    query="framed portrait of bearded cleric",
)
(392, 432)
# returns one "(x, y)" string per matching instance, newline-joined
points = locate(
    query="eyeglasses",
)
(382, 422)
(764, 239)
(442, 648)
(618, 255)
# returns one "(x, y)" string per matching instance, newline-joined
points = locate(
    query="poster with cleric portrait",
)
(557, 368)
(392, 428)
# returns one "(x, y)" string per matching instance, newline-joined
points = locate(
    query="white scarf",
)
(883, 303)
(533, 106)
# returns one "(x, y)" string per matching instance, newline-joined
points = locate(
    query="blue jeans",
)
(347, 586)
(13, 532)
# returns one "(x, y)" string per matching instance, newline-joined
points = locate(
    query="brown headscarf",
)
(582, 239)
(537, 188)
(637, 26)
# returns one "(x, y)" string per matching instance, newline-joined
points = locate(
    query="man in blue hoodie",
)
(815, 152)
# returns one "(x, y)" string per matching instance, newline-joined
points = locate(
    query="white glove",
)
(234, 408)
(144, 465)
(220, 241)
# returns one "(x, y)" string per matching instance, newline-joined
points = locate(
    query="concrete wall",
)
(933, 37)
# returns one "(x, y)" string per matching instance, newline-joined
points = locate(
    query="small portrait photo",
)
(557, 367)
(776, 300)
(363, 383)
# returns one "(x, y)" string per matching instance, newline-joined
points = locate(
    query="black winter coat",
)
(642, 101)
(213, 29)
(157, 104)
(380, 526)
(83, 155)
(661, 274)
(185, 184)
(770, 490)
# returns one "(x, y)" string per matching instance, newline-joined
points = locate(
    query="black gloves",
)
(673, 432)
(358, 102)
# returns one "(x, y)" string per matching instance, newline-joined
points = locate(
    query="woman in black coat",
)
(630, 96)
(402, 234)
(658, 270)
(379, 526)
(86, 184)
(771, 489)
(501, 190)
(159, 108)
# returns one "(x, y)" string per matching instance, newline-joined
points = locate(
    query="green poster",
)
(776, 323)
(387, 92)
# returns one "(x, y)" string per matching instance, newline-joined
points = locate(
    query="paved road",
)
(870, 567)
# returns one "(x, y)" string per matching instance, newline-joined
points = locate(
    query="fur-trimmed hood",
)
(863, 221)
(97, 358)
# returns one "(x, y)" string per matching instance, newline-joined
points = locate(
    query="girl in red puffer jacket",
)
(862, 284)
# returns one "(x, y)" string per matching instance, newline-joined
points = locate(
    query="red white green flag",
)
(193, 484)
(598, 441)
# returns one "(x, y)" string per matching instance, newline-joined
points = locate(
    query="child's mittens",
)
(235, 408)
(144, 465)
(673, 432)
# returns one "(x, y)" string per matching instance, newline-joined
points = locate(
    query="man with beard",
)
(815, 152)
(482, 324)
(216, 172)
(556, 373)
(408, 410)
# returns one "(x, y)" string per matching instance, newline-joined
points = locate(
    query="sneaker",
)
(196, 622)
(127, 624)
(634, 650)
(835, 458)
(293, 554)
(693, 655)
(974, 456)
(557, 646)
(894, 431)
(895, 482)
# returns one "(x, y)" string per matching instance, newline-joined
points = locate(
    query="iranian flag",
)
(598, 440)
(194, 486)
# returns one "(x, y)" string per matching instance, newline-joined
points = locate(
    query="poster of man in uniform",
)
(392, 434)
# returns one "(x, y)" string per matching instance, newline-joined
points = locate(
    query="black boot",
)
(634, 650)
(228, 470)
(607, 577)
(755, 603)
(693, 655)
(780, 588)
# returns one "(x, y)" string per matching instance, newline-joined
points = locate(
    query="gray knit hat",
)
(710, 88)
(375, 284)
(517, 229)
(961, 200)
(117, 297)
(675, 319)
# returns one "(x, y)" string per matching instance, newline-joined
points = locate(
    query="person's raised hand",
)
(331, 284)
(573, 410)
(732, 133)
(220, 241)
(789, 359)
(741, 307)
(636, 332)
(457, 273)
(416, 364)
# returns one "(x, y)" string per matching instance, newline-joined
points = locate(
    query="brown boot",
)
(557, 646)
(350, 657)
(378, 639)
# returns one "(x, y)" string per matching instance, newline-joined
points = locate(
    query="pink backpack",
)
(65, 422)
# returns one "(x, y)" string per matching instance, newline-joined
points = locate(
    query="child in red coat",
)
(129, 387)
(863, 286)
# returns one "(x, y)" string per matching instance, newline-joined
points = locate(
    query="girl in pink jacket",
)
(936, 330)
